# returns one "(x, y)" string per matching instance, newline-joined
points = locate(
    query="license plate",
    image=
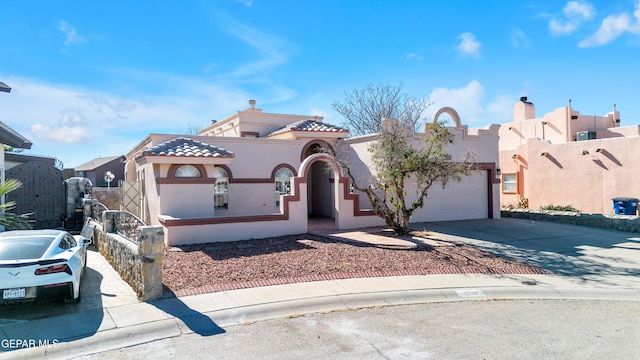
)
(19, 293)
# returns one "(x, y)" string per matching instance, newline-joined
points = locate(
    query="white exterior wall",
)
(195, 202)
(250, 199)
(199, 234)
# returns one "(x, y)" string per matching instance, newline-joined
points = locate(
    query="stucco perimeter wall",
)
(200, 232)
(575, 173)
(616, 222)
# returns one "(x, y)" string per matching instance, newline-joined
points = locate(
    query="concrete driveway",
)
(101, 287)
(597, 256)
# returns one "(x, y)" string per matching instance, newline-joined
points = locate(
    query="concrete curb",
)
(185, 320)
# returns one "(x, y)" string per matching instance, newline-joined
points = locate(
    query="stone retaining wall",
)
(110, 197)
(139, 264)
(617, 222)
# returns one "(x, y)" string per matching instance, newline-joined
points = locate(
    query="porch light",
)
(599, 150)
(544, 154)
(544, 123)
(585, 152)
(108, 177)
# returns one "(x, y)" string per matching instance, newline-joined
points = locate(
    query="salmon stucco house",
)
(258, 175)
(567, 158)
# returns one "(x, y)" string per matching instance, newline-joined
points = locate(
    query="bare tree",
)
(192, 129)
(403, 160)
(365, 109)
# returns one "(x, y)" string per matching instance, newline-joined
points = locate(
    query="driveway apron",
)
(587, 255)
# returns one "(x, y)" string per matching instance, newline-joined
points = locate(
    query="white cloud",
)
(575, 13)
(62, 134)
(558, 28)
(579, 9)
(77, 124)
(269, 48)
(468, 45)
(519, 38)
(72, 117)
(612, 27)
(247, 3)
(414, 56)
(468, 102)
(71, 35)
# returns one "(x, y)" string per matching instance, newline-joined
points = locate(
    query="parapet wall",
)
(629, 223)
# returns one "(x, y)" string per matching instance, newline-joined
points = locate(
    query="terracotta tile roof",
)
(187, 147)
(309, 125)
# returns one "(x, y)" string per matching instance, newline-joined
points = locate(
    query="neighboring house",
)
(11, 138)
(566, 158)
(257, 175)
(96, 169)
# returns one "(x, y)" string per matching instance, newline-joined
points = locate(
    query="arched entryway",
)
(321, 196)
(320, 177)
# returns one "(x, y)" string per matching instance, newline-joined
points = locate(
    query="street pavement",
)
(588, 264)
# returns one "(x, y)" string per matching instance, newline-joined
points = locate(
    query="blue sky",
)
(92, 79)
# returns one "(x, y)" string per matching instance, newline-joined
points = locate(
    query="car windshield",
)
(24, 247)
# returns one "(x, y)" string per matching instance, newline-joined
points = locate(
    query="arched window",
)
(283, 183)
(221, 197)
(188, 171)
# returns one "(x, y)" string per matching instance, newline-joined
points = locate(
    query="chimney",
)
(252, 104)
(524, 110)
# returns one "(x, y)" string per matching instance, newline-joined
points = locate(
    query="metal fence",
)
(131, 197)
(97, 209)
(126, 224)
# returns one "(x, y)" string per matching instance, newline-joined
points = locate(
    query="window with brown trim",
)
(283, 183)
(221, 196)
(188, 171)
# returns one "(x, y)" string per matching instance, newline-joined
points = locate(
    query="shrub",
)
(560, 208)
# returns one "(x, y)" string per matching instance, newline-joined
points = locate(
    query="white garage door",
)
(465, 200)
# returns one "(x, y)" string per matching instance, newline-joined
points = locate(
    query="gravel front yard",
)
(309, 257)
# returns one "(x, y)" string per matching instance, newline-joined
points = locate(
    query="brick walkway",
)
(270, 282)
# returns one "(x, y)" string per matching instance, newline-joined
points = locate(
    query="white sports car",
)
(41, 264)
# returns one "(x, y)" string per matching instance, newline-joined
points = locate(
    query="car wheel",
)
(70, 300)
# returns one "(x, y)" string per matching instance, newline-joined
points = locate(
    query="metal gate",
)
(132, 198)
(41, 193)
